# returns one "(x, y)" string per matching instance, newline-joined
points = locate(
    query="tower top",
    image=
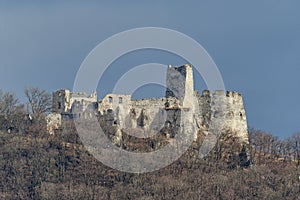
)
(179, 81)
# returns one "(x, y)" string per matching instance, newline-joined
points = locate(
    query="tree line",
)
(265, 145)
(16, 116)
(36, 165)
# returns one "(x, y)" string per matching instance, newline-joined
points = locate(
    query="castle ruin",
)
(221, 108)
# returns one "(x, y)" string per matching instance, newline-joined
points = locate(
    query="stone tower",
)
(217, 110)
(180, 99)
(180, 83)
(61, 101)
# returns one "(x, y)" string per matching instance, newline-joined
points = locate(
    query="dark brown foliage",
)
(36, 165)
(58, 167)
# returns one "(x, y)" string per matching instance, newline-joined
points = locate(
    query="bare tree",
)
(265, 145)
(8, 102)
(39, 101)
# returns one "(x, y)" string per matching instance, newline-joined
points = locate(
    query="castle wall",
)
(113, 101)
(223, 111)
(116, 105)
(63, 100)
(148, 113)
(60, 101)
(81, 98)
(219, 110)
(236, 116)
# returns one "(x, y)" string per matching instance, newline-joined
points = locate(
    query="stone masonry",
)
(146, 117)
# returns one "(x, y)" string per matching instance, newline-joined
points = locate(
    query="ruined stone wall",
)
(60, 101)
(117, 106)
(114, 101)
(64, 100)
(82, 99)
(223, 111)
(236, 116)
(219, 110)
(148, 113)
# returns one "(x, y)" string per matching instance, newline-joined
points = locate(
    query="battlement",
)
(232, 94)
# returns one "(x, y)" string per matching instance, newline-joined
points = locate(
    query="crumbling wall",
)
(113, 101)
(81, 98)
(223, 111)
(63, 100)
(147, 113)
(219, 110)
(116, 106)
(235, 120)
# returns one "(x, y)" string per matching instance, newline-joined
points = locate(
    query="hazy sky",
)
(255, 44)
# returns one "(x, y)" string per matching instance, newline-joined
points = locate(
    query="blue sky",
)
(255, 44)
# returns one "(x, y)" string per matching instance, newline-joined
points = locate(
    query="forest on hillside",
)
(36, 165)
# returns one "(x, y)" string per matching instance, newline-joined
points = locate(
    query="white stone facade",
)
(225, 110)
